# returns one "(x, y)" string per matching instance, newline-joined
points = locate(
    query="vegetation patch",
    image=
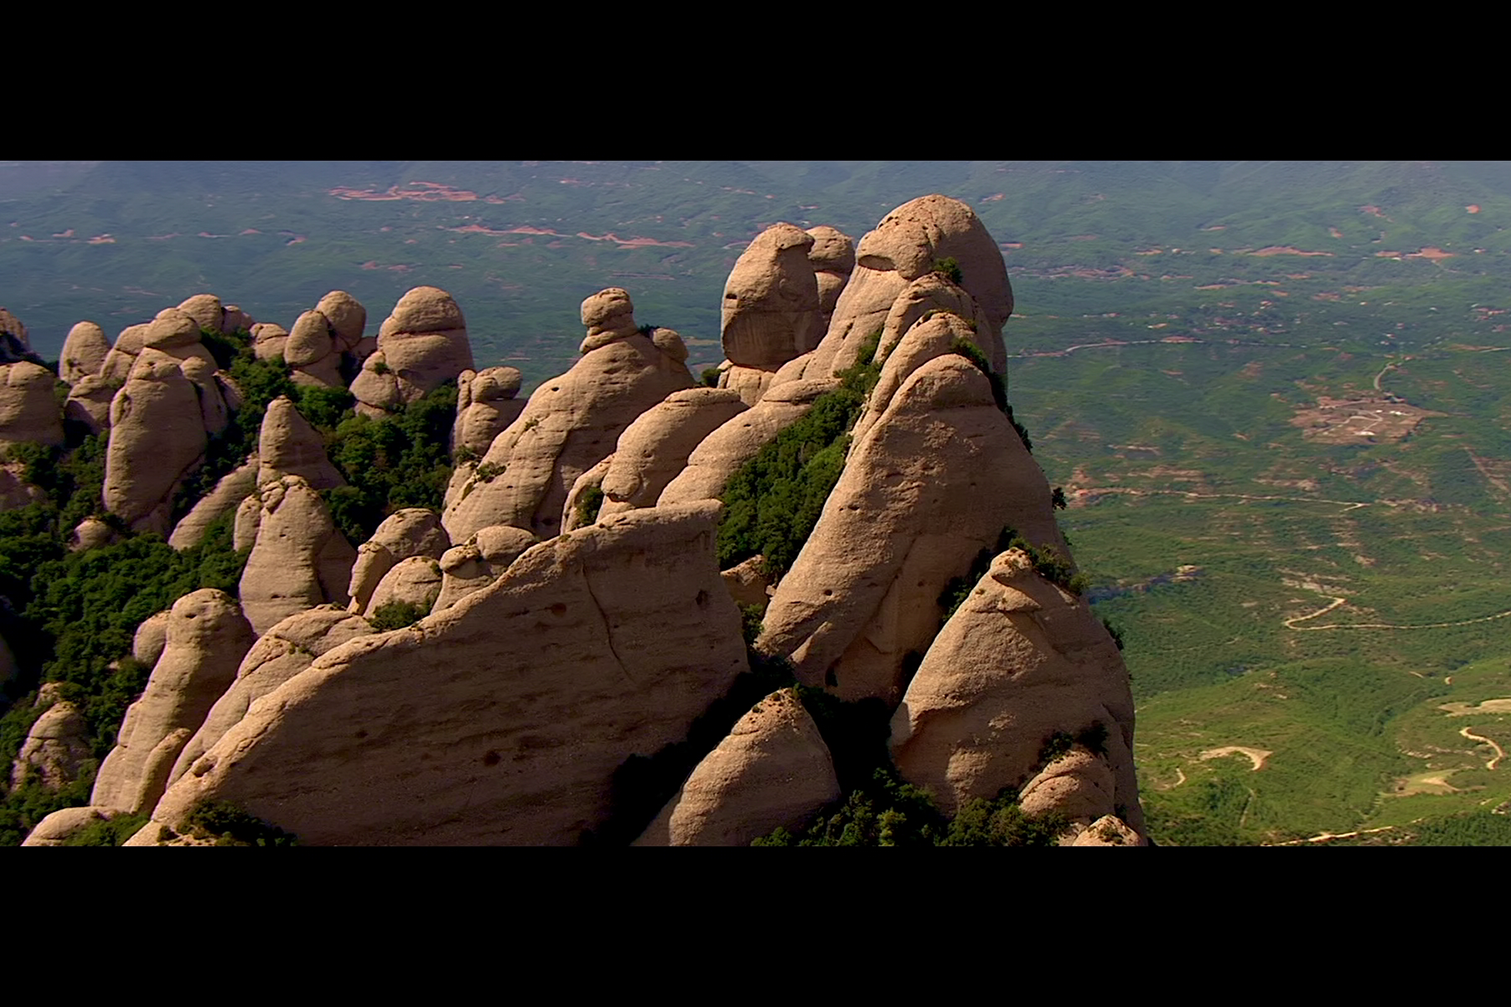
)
(228, 825)
(589, 503)
(398, 614)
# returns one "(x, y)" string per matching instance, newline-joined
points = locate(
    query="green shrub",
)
(950, 270)
(711, 377)
(589, 503)
(230, 826)
(398, 614)
(111, 832)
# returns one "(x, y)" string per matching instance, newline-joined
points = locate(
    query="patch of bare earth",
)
(1257, 756)
(1487, 706)
(1358, 420)
(1284, 250)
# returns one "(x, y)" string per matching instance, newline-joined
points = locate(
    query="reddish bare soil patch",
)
(1373, 211)
(1284, 250)
(1472, 208)
(1335, 232)
(1358, 420)
(1431, 253)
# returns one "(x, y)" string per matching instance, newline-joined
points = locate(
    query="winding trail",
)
(1347, 505)
(1324, 837)
(1499, 752)
(1289, 623)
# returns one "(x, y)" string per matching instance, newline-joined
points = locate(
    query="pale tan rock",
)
(15, 491)
(485, 406)
(1079, 785)
(300, 558)
(29, 412)
(233, 487)
(573, 511)
(207, 312)
(157, 435)
(933, 292)
(151, 637)
(248, 518)
(288, 446)
(310, 340)
(1020, 660)
(89, 401)
(172, 329)
(214, 414)
(749, 583)
(654, 448)
(55, 747)
(924, 341)
(608, 315)
(282, 652)
(1109, 830)
(207, 637)
(268, 340)
(905, 245)
(749, 383)
(414, 581)
(570, 424)
(480, 561)
(91, 533)
(347, 318)
(58, 826)
(413, 531)
(738, 440)
(934, 481)
(771, 307)
(83, 352)
(833, 251)
(669, 342)
(422, 345)
(237, 320)
(11, 326)
(484, 723)
(423, 309)
(773, 770)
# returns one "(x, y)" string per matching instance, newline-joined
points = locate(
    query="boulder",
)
(89, 401)
(719, 455)
(654, 449)
(608, 315)
(151, 637)
(288, 446)
(773, 770)
(485, 406)
(833, 259)
(934, 481)
(413, 531)
(232, 488)
(171, 329)
(237, 320)
(414, 581)
(55, 829)
(570, 424)
(268, 340)
(206, 640)
(421, 346)
(91, 533)
(15, 344)
(300, 558)
(83, 352)
(1018, 662)
(908, 243)
(312, 352)
(347, 317)
(1109, 830)
(157, 435)
(771, 307)
(213, 411)
(55, 747)
(749, 583)
(286, 649)
(503, 719)
(29, 411)
(480, 561)
(207, 312)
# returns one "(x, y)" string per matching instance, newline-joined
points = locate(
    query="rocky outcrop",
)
(229, 492)
(933, 482)
(503, 719)
(15, 491)
(927, 339)
(83, 352)
(654, 448)
(833, 258)
(300, 558)
(311, 351)
(411, 532)
(415, 581)
(485, 406)
(207, 312)
(771, 307)
(347, 318)
(89, 402)
(15, 343)
(480, 561)
(268, 340)
(719, 455)
(55, 747)
(282, 652)
(288, 446)
(748, 582)
(29, 412)
(578, 511)
(933, 292)
(1020, 661)
(151, 637)
(908, 243)
(421, 346)
(206, 639)
(55, 829)
(1109, 830)
(157, 434)
(773, 770)
(570, 424)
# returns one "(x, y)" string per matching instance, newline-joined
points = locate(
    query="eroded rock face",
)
(773, 770)
(89, 402)
(488, 723)
(1109, 830)
(414, 581)
(206, 639)
(311, 350)
(15, 491)
(421, 346)
(411, 532)
(1020, 660)
(570, 424)
(933, 482)
(906, 244)
(58, 826)
(347, 317)
(55, 747)
(281, 653)
(157, 434)
(15, 343)
(933, 292)
(719, 455)
(480, 561)
(229, 492)
(207, 312)
(925, 340)
(654, 448)
(288, 446)
(151, 637)
(833, 258)
(300, 558)
(29, 413)
(578, 512)
(83, 352)
(485, 406)
(268, 340)
(771, 307)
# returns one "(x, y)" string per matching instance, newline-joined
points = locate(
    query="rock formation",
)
(300, 559)
(570, 424)
(502, 719)
(229, 492)
(654, 448)
(772, 770)
(485, 406)
(157, 434)
(833, 258)
(409, 533)
(480, 561)
(89, 402)
(288, 446)
(771, 309)
(421, 346)
(29, 411)
(56, 746)
(83, 352)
